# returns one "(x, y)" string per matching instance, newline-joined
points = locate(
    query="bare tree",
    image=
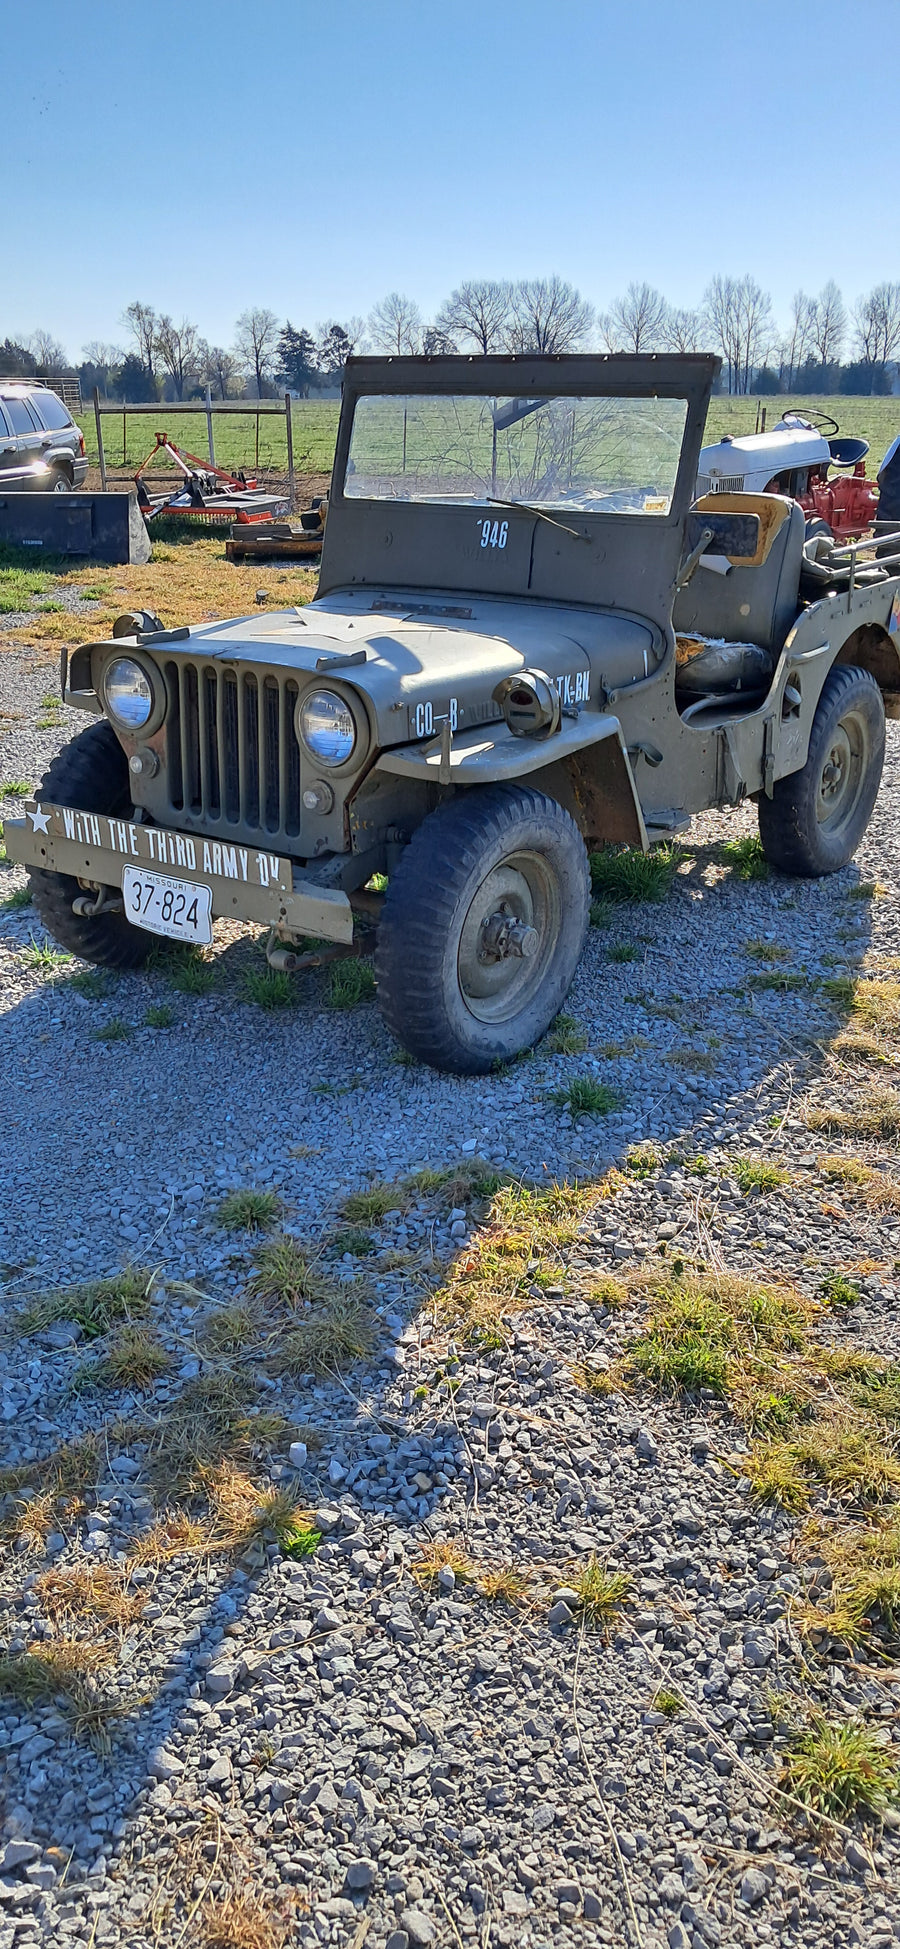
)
(178, 347)
(142, 322)
(798, 344)
(395, 324)
(546, 315)
(49, 354)
(738, 314)
(218, 369)
(829, 326)
(636, 322)
(476, 313)
(877, 318)
(683, 331)
(97, 352)
(256, 341)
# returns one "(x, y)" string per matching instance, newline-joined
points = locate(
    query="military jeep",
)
(529, 640)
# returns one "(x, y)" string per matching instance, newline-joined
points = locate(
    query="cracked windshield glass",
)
(597, 455)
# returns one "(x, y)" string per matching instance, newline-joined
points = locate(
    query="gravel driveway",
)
(347, 1741)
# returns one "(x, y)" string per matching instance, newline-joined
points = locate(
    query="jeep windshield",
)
(602, 455)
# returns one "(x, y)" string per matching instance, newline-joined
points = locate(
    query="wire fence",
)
(249, 436)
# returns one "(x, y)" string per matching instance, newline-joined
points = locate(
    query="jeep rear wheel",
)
(815, 819)
(483, 926)
(91, 774)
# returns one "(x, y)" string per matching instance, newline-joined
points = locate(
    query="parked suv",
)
(40, 445)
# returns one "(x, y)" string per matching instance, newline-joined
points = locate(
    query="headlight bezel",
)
(124, 654)
(353, 711)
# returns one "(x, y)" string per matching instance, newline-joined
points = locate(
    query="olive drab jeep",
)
(529, 639)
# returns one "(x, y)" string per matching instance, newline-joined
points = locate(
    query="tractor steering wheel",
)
(821, 421)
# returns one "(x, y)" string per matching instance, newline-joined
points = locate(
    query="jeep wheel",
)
(483, 926)
(816, 818)
(91, 773)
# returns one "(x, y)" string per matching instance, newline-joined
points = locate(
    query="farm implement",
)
(206, 492)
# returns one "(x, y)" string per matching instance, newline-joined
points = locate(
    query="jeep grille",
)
(233, 757)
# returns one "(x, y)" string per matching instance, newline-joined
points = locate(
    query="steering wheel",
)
(822, 422)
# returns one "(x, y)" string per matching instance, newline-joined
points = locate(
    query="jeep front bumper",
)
(246, 883)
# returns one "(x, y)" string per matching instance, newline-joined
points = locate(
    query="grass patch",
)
(778, 981)
(350, 982)
(628, 874)
(42, 958)
(248, 1211)
(643, 1161)
(334, 1332)
(15, 788)
(593, 1379)
(746, 857)
(723, 1333)
(758, 1174)
(135, 1358)
(115, 1030)
(369, 1207)
(668, 1703)
(622, 951)
(585, 1098)
(283, 1273)
(270, 988)
(766, 951)
(840, 1767)
(209, 1422)
(354, 1240)
(504, 1585)
(242, 1921)
(602, 1594)
(230, 1328)
(159, 1017)
(92, 983)
(95, 1305)
(187, 968)
(565, 1038)
(15, 901)
(490, 1278)
(245, 1514)
(838, 1290)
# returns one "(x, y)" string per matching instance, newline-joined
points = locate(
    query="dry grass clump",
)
(599, 1381)
(872, 1003)
(95, 1304)
(176, 1534)
(100, 1593)
(839, 1767)
(504, 1585)
(844, 1455)
(230, 1328)
(208, 1422)
(242, 1921)
(607, 1291)
(29, 1523)
(442, 1555)
(877, 1190)
(243, 1513)
(335, 1331)
(456, 1184)
(873, 1114)
(861, 1605)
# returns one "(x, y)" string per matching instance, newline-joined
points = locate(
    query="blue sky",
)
(312, 157)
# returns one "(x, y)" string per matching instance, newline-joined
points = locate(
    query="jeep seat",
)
(758, 600)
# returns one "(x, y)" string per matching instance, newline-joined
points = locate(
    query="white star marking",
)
(39, 820)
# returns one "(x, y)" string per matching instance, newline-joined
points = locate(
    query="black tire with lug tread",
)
(91, 774)
(501, 858)
(816, 818)
(61, 480)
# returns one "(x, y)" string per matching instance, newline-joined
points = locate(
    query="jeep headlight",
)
(327, 726)
(128, 693)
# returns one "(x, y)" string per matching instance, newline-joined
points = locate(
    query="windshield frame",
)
(689, 377)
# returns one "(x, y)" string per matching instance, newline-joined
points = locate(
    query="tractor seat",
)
(758, 599)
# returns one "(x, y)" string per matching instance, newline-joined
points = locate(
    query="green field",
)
(315, 425)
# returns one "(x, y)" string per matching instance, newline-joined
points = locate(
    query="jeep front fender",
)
(585, 765)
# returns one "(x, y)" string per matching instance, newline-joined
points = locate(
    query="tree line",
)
(825, 347)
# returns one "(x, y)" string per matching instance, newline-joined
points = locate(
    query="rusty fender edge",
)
(261, 886)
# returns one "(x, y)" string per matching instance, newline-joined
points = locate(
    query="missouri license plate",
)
(176, 908)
